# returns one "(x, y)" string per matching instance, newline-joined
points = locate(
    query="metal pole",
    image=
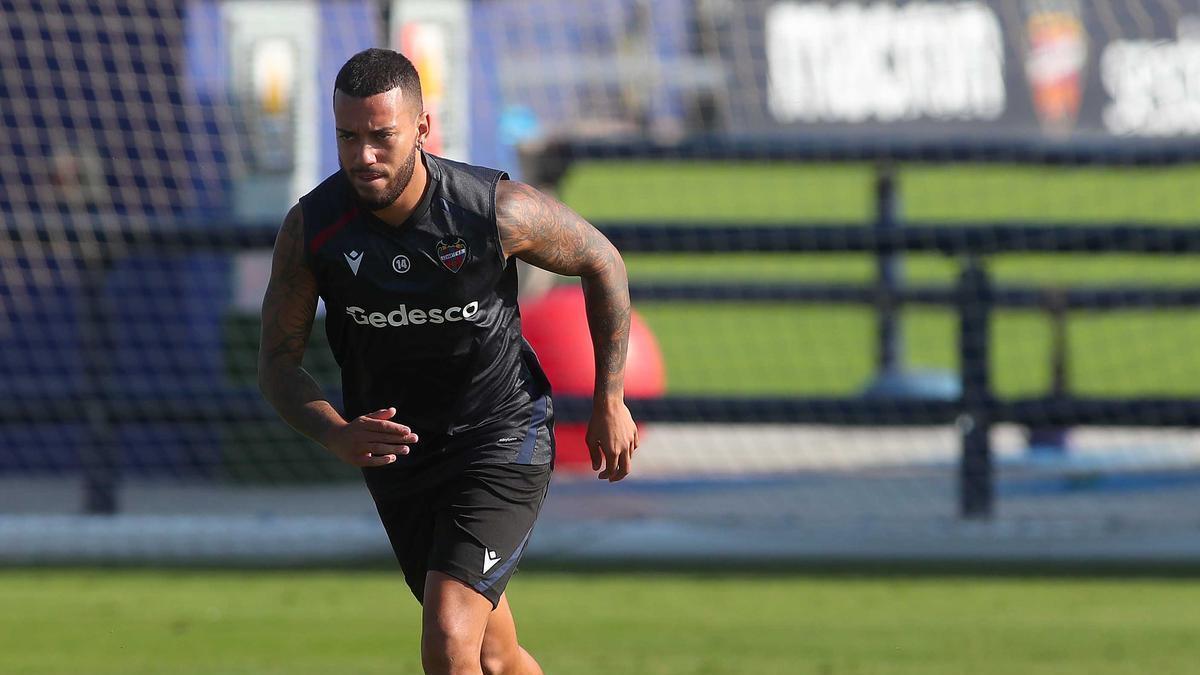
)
(976, 493)
(1052, 440)
(97, 458)
(889, 272)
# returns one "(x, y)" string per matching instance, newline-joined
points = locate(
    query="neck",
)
(399, 211)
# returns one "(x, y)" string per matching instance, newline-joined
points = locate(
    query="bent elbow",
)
(609, 265)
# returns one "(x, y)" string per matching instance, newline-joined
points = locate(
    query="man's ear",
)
(423, 126)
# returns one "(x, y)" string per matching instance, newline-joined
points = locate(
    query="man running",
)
(446, 408)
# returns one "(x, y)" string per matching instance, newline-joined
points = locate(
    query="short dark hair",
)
(374, 71)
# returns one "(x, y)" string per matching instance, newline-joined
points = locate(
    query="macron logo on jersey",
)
(353, 258)
(403, 316)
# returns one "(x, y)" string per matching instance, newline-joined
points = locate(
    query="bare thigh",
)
(455, 617)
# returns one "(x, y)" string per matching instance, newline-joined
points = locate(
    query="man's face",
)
(377, 144)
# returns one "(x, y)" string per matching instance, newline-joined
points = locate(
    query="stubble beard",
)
(394, 188)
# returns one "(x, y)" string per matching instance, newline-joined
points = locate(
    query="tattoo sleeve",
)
(287, 318)
(544, 232)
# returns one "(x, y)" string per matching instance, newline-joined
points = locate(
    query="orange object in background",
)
(556, 326)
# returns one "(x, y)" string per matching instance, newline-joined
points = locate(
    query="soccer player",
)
(446, 408)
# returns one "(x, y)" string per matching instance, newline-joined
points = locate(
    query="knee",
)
(447, 651)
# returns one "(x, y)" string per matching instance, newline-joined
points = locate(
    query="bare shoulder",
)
(290, 300)
(289, 242)
(294, 217)
(513, 194)
(293, 225)
(290, 272)
(521, 213)
(543, 231)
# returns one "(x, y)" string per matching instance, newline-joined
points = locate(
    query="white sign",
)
(1154, 87)
(272, 51)
(434, 35)
(857, 63)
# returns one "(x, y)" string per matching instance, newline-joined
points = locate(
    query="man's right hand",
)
(370, 440)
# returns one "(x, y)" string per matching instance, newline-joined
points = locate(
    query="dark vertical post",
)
(974, 422)
(1052, 440)
(888, 271)
(98, 456)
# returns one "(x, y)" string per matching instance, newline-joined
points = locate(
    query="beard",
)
(377, 201)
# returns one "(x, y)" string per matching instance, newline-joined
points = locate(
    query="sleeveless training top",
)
(424, 316)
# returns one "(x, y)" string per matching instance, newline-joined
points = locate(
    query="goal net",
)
(149, 150)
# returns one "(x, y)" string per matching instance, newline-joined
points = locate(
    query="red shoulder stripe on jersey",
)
(323, 236)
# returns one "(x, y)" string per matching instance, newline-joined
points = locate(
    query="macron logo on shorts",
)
(490, 558)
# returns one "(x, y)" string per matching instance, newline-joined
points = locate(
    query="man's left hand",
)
(611, 437)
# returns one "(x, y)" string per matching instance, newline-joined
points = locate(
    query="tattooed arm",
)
(287, 318)
(543, 232)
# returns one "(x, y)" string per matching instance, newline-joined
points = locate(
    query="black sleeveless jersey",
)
(423, 316)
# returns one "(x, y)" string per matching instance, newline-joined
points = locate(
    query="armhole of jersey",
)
(500, 175)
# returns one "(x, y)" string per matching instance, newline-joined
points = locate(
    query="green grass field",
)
(824, 350)
(104, 622)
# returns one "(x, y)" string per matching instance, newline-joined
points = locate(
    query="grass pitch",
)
(322, 623)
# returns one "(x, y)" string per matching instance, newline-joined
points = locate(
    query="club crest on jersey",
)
(452, 252)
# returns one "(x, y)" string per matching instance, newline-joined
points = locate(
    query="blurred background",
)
(915, 282)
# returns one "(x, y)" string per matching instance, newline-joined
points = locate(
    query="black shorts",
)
(466, 519)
